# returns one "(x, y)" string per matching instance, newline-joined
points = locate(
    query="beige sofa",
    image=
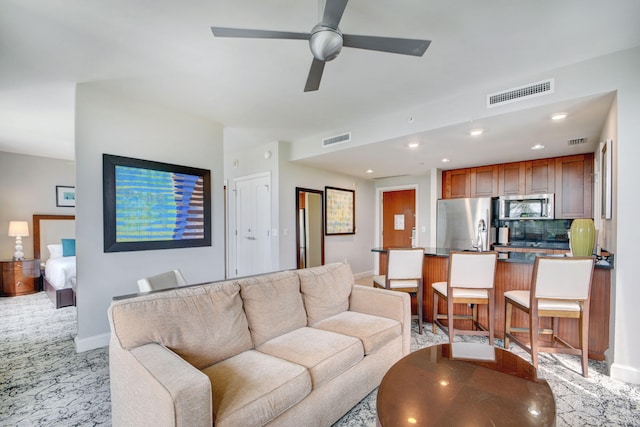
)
(282, 349)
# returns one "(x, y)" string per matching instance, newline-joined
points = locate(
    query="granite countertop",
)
(516, 257)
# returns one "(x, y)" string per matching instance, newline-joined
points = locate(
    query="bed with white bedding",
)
(59, 272)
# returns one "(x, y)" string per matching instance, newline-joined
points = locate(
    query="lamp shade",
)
(18, 228)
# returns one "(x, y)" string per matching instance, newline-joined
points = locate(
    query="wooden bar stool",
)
(470, 281)
(560, 287)
(404, 274)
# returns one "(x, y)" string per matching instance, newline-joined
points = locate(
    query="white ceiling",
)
(163, 50)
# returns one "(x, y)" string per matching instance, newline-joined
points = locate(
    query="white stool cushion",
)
(523, 298)
(395, 283)
(461, 292)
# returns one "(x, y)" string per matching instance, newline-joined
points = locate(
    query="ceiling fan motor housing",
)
(325, 42)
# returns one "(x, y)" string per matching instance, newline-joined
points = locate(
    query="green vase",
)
(583, 237)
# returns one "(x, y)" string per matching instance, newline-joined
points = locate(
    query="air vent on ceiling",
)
(577, 141)
(520, 93)
(338, 139)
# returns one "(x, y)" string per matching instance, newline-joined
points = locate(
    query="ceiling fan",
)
(326, 41)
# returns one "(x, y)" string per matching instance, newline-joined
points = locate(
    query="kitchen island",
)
(514, 273)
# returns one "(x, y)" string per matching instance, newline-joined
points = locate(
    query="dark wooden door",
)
(398, 217)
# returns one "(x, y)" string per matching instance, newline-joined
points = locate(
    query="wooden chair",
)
(560, 287)
(470, 281)
(170, 279)
(404, 274)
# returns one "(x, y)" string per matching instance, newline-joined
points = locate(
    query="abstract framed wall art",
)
(339, 211)
(152, 205)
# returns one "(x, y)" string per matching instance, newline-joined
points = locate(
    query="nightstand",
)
(19, 277)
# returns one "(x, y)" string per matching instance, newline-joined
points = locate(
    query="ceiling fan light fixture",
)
(325, 42)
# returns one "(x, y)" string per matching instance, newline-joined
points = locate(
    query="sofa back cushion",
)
(273, 305)
(203, 324)
(325, 290)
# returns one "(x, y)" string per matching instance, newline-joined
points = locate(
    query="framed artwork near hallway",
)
(606, 179)
(339, 211)
(152, 205)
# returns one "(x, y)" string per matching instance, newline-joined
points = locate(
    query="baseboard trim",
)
(364, 274)
(91, 343)
(627, 374)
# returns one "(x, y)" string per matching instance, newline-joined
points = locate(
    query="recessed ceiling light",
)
(445, 160)
(559, 116)
(476, 132)
(369, 171)
(537, 147)
(414, 144)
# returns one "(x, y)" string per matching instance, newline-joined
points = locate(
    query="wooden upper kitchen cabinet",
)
(511, 179)
(540, 176)
(456, 184)
(569, 177)
(574, 186)
(484, 181)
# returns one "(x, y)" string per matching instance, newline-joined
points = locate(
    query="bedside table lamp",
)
(18, 229)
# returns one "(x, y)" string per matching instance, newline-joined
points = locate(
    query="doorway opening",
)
(309, 227)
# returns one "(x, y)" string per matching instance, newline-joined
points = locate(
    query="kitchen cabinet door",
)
(540, 176)
(574, 186)
(484, 181)
(511, 178)
(456, 184)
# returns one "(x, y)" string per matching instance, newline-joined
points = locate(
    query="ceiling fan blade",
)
(413, 47)
(333, 10)
(258, 34)
(315, 74)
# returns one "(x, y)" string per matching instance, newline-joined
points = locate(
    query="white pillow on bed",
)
(55, 251)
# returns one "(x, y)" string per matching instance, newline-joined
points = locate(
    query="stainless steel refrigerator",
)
(464, 224)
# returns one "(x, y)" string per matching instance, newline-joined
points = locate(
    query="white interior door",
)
(253, 225)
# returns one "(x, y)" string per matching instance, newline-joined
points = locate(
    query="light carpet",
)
(43, 382)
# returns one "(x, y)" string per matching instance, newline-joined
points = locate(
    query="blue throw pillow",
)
(68, 247)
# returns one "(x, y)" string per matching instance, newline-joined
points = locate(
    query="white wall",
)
(107, 123)
(354, 248)
(252, 161)
(626, 357)
(29, 187)
(285, 177)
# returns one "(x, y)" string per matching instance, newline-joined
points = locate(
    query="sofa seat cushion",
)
(325, 354)
(374, 331)
(273, 305)
(325, 290)
(251, 388)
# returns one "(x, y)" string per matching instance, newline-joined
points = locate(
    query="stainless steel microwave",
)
(533, 206)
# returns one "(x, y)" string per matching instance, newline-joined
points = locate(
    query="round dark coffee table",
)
(464, 384)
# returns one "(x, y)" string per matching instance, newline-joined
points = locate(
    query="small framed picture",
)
(339, 211)
(65, 196)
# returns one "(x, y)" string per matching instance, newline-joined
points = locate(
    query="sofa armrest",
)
(382, 302)
(152, 386)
